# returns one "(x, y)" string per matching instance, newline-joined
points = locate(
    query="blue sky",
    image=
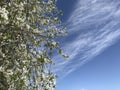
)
(93, 44)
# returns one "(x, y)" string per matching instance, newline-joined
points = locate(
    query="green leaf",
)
(60, 51)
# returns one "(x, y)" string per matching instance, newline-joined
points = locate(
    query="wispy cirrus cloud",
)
(93, 26)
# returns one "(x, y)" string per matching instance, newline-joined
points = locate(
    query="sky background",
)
(93, 44)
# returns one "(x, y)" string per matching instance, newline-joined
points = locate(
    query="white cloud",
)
(93, 27)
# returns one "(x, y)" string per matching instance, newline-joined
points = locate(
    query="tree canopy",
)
(28, 29)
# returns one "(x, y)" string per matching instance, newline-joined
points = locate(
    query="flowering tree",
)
(28, 29)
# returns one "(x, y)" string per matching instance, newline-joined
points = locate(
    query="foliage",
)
(28, 29)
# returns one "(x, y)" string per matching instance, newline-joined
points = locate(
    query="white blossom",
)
(27, 26)
(9, 72)
(4, 13)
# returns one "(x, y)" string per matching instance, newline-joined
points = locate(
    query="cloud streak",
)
(94, 25)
